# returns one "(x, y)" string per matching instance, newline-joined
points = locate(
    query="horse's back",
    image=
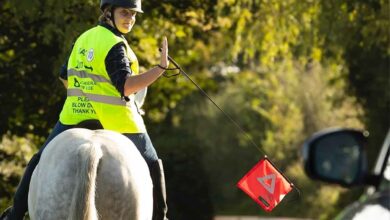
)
(123, 184)
(126, 180)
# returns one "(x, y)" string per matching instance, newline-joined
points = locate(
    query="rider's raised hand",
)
(164, 62)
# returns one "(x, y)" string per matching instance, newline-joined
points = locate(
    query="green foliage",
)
(15, 152)
(32, 47)
(278, 110)
(368, 58)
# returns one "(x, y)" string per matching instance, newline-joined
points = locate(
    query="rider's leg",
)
(160, 207)
(145, 146)
(20, 207)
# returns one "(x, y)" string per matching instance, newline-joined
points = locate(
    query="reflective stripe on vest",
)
(84, 74)
(97, 98)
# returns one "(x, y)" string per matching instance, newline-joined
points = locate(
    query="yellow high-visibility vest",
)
(90, 92)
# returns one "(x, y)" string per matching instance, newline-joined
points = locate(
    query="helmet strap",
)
(111, 17)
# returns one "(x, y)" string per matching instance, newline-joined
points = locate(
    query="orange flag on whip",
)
(265, 185)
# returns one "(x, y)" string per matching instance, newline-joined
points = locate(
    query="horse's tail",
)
(83, 199)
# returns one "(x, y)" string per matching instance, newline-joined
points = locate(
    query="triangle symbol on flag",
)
(269, 187)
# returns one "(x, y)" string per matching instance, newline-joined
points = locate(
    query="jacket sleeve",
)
(118, 66)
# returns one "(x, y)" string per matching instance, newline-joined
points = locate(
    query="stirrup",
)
(5, 213)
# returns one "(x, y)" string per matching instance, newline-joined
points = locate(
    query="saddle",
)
(90, 124)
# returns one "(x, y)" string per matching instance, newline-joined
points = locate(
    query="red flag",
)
(265, 185)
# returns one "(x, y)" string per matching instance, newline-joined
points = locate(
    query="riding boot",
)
(20, 206)
(160, 207)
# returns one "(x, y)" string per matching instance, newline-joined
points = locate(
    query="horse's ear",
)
(90, 124)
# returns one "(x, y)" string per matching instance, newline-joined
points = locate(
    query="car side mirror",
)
(336, 156)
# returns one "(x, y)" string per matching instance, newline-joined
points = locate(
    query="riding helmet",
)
(131, 4)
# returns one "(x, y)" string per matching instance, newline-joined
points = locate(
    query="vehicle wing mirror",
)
(336, 156)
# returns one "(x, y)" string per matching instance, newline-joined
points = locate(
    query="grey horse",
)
(90, 175)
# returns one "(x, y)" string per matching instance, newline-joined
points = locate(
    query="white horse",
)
(90, 175)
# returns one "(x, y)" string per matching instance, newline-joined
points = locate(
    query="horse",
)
(90, 175)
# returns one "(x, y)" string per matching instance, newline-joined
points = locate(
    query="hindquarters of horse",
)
(123, 183)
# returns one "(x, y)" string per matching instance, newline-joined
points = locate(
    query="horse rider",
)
(102, 76)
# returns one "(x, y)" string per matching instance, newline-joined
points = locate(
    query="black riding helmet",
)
(134, 5)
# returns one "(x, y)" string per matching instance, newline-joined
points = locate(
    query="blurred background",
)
(283, 69)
